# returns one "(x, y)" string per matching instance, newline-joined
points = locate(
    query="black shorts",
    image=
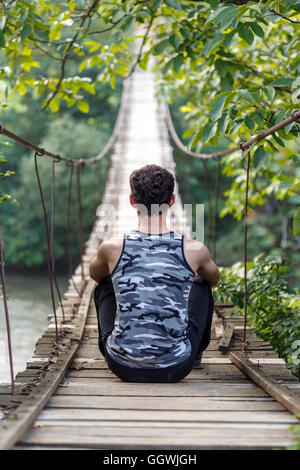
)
(200, 311)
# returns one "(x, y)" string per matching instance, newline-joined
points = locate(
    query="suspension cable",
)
(245, 248)
(208, 200)
(78, 168)
(67, 231)
(36, 154)
(216, 209)
(56, 157)
(52, 239)
(295, 116)
(12, 375)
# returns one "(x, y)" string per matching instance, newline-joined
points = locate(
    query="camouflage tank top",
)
(152, 282)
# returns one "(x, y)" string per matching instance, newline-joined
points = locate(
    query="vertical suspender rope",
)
(78, 168)
(216, 209)
(52, 238)
(187, 185)
(208, 201)
(68, 230)
(245, 248)
(36, 154)
(7, 316)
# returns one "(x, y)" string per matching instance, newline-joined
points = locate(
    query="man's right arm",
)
(208, 270)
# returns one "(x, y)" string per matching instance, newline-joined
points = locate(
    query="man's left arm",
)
(99, 268)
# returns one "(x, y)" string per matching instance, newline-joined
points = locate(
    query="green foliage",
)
(296, 433)
(249, 51)
(4, 197)
(273, 306)
(29, 247)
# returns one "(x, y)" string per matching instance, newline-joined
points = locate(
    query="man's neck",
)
(153, 224)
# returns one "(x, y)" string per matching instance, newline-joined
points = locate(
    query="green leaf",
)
(214, 3)
(188, 133)
(83, 106)
(250, 123)
(283, 82)
(174, 40)
(211, 45)
(167, 66)
(2, 39)
(245, 33)
(217, 13)
(173, 4)
(278, 140)
(2, 21)
(26, 31)
(258, 118)
(160, 47)
(226, 17)
(258, 157)
(246, 95)
(177, 62)
(296, 222)
(154, 5)
(216, 108)
(185, 33)
(222, 67)
(270, 93)
(54, 105)
(228, 39)
(223, 122)
(256, 29)
(127, 25)
(235, 126)
(209, 131)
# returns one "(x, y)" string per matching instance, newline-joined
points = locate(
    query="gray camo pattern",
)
(152, 282)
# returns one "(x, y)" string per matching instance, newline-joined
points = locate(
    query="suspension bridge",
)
(68, 398)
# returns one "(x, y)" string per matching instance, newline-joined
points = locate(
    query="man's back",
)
(152, 281)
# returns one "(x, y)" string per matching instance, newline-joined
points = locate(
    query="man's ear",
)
(172, 200)
(132, 200)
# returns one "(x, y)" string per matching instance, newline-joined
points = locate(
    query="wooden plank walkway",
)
(216, 406)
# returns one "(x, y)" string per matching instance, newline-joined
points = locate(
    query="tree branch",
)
(284, 17)
(108, 28)
(85, 16)
(140, 53)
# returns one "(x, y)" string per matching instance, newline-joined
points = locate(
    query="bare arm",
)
(208, 270)
(99, 268)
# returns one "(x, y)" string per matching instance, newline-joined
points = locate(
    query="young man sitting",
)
(153, 300)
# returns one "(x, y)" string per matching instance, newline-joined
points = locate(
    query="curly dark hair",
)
(152, 184)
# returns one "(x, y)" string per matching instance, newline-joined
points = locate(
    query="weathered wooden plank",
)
(83, 414)
(90, 351)
(149, 438)
(157, 403)
(284, 396)
(201, 374)
(168, 391)
(12, 429)
(226, 338)
(216, 425)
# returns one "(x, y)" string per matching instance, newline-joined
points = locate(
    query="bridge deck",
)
(215, 406)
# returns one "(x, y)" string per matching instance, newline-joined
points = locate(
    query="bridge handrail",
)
(243, 146)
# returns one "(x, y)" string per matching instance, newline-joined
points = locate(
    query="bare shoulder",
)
(195, 247)
(110, 246)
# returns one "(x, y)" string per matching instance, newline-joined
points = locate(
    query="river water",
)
(29, 305)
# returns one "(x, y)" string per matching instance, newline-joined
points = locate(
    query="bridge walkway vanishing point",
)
(68, 398)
